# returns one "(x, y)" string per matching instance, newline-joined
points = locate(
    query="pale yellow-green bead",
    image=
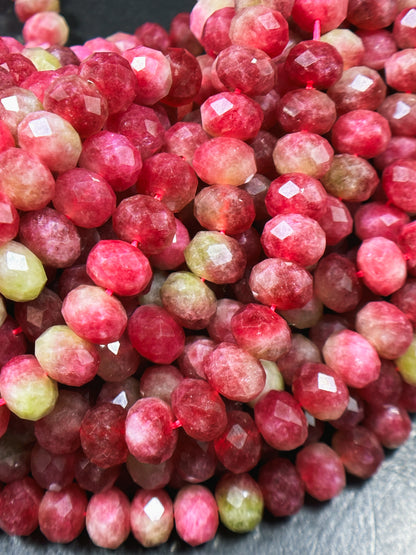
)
(406, 364)
(3, 311)
(41, 58)
(274, 380)
(22, 276)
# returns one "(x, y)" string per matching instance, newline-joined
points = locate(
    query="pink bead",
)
(123, 393)
(118, 266)
(298, 193)
(94, 315)
(330, 14)
(172, 256)
(303, 152)
(180, 34)
(19, 506)
(404, 299)
(386, 388)
(219, 327)
(113, 77)
(63, 525)
(186, 77)
(375, 219)
(361, 132)
(224, 208)
(11, 344)
(281, 421)
(194, 461)
(386, 327)
(360, 451)
(260, 27)
(379, 45)
(301, 350)
(9, 219)
(94, 478)
(51, 471)
(155, 334)
(309, 463)
(359, 88)
(306, 110)
(238, 448)
(149, 476)
(102, 435)
(397, 182)
(320, 391)
(281, 283)
(153, 35)
(400, 111)
(46, 27)
(146, 220)
(237, 164)
(235, 70)
(295, 238)
(216, 32)
(151, 517)
(398, 147)
(108, 518)
(150, 436)
(192, 360)
(352, 357)
(336, 221)
(382, 264)
(371, 14)
(282, 487)
(261, 332)
(315, 62)
(404, 28)
(160, 381)
(390, 423)
(352, 415)
(183, 138)
(400, 70)
(200, 409)
(196, 514)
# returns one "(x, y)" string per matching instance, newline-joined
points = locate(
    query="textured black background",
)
(368, 518)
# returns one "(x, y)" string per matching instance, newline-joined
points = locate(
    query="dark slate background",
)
(375, 517)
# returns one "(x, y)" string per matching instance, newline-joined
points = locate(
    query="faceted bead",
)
(400, 70)
(224, 208)
(306, 110)
(379, 45)
(404, 29)
(281, 421)
(240, 502)
(361, 132)
(94, 478)
(192, 360)
(9, 219)
(180, 34)
(371, 14)
(150, 436)
(160, 381)
(51, 471)
(382, 264)
(230, 114)
(321, 470)
(194, 461)
(235, 69)
(295, 238)
(58, 432)
(353, 414)
(301, 350)
(238, 448)
(62, 514)
(25, 179)
(360, 451)
(188, 299)
(315, 62)
(405, 300)
(102, 435)
(376, 219)
(296, 193)
(168, 178)
(281, 283)
(142, 126)
(107, 518)
(15, 451)
(320, 391)
(119, 266)
(28, 391)
(348, 44)
(400, 111)
(114, 157)
(149, 476)
(260, 27)
(19, 506)
(303, 152)
(327, 325)
(352, 357)
(336, 221)
(359, 88)
(350, 178)
(146, 220)
(386, 388)
(330, 13)
(234, 373)
(224, 161)
(398, 147)
(406, 364)
(151, 517)
(336, 283)
(196, 514)
(219, 327)
(123, 393)
(94, 315)
(183, 138)
(390, 423)
(397, 180)
(216, 32)
(200, 409)
(172, 256)
(46, 27)
(186, 77)
(305, 316)
(282, 488)
(155, 334)
(386, 327)
(15, 104)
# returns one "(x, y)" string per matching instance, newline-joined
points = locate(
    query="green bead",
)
(406, 364)
(240, 502)
(22, 276)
